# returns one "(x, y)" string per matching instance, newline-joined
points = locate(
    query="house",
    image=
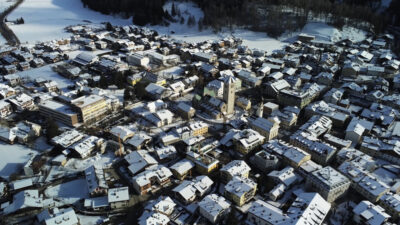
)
(214, 208)
(138, 160)
(286, 176)
(96, 181)
(58, 216)
(185, 111)
(240, 190)
(269, 128)
(118, 197)
(367, 213)
(85, 146)
(307, 208)
(155, 175)
(5, 109)
(247, 140)
(166, 153)
(329, 183)
(122, 133)
(265, 161)
(188, 191)
(22, 102)
(85, 59)
(182, 169)
(234, 168)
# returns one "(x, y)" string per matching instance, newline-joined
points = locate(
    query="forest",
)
(272, 16)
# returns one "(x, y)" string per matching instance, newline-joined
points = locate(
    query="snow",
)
(47, 73)
(69, 192)
(13, 157)
(325, 32)
(5, 4)
(46, 19)
(98, 160)
(90, 220)
(192, 34)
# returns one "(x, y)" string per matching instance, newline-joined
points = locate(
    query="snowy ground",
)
(90, 220)
(82, 164)
(47, 73)
(69, 192)
(5, 4)
(46, 19)
(325, 32)
(13, 157)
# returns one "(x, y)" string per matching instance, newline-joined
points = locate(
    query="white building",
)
(367, 213)
(118, 197)
(214, 208)
(329, 183)
(234, 168)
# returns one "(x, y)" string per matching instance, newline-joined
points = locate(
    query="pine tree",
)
(52, 129)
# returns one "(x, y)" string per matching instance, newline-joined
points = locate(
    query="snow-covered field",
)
(98, 160)
(70, 192)
(325, 32)
(47, 73)
(5, 4)
(46, 19)
(90, 220)
(13, 157)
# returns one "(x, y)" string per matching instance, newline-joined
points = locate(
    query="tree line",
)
(274, 16)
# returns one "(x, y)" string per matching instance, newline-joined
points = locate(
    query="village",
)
(140, 128)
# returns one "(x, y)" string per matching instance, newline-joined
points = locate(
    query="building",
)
(138, 160)
(307, 208)
(96, 181)
(156, 175)
(5, 109)
(214, 208)
(85, 146)
(90, 108)
(67, 138)
(247, 140)
(367, 213)
(198, 128)
(329, 183)
(294, 156)
(269, 128)
(391, 203)
(234, 168)
(205, 164)
(240, 190)
(185, 111)
(182, 168)
(371, 188)
(286, 176)
(229, 94)
(59, 112)
(58, 217)
(188, 191)
(118, 197)
(265, 161)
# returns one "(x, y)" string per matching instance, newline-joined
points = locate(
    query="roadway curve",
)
(7, 33)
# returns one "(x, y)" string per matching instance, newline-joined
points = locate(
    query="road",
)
(7, 33)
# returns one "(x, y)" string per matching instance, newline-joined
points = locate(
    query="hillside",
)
(273, 16)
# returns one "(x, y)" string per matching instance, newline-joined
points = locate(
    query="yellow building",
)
(134, 79)
(243, 103)
(91, 108)
(198, 128)
(240, 190)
